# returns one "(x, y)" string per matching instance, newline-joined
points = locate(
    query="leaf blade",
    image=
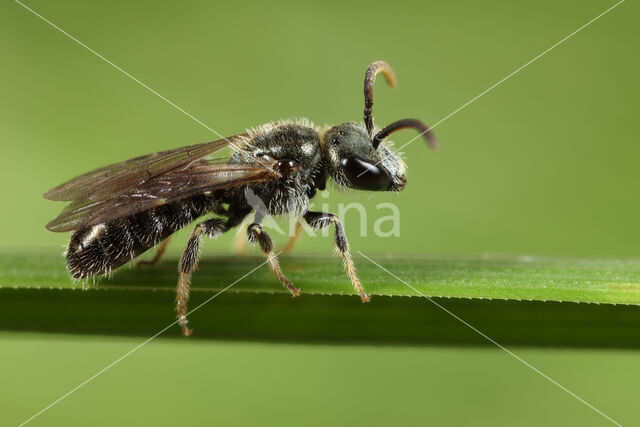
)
(606, 281)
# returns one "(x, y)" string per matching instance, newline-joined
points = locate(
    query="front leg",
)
(255, 234)
(320, 220)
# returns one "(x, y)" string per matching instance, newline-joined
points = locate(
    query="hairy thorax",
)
(296, 141)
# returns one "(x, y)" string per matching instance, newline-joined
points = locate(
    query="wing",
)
(195, 178)
(122, 176)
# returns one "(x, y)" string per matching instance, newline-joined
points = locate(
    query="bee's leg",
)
(294, 239)
(189, 261)
(257, 234)
(240, 241)
(320, 220)
(162, 248)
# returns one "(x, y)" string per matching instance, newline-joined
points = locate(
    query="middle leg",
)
(257, 234)
(294, 239)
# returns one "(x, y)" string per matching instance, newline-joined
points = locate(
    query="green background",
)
(546, 163)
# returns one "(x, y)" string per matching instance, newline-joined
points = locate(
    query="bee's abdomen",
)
(104, 247)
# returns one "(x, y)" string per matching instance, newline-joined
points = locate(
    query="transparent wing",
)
(195, 178)
(113, 179)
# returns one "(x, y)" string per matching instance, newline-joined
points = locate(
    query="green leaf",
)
(486, 277)
(37, 295)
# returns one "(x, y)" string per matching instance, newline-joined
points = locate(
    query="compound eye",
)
(364, 175)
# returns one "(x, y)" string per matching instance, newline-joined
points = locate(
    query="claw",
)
(295, 292)
(183, 325)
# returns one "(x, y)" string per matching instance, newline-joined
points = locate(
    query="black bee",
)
(120, 211)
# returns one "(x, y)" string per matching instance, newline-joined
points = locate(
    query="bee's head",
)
(352, 161)
(356, 155)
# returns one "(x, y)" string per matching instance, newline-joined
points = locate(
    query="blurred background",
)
(546, 163)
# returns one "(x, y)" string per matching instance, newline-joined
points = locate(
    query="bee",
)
(118, 212)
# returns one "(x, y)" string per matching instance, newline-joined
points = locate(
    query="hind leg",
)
(162, 248)
(189, 261)
(240, 240)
